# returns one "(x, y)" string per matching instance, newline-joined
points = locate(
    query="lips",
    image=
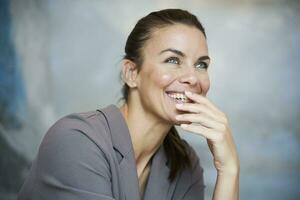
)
(178, 97)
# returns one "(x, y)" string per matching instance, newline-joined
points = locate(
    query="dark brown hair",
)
(176, 148)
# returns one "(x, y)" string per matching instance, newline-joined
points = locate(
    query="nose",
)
(188, 76)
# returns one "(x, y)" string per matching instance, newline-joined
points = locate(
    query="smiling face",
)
(175, 59)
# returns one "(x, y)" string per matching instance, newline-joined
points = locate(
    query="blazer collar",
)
(119, 130)
(158, 186)
(121, 137)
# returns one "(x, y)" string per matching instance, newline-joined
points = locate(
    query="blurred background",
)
(60, 57)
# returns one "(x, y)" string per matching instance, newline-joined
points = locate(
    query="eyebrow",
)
(182, 54)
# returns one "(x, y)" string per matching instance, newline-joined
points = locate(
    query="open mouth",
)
(178, 97)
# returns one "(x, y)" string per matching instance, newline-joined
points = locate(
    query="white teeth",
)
(178, 96)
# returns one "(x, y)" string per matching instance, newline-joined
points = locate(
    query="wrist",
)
(233, 170)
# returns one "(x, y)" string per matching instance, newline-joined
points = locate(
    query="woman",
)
(134, 152)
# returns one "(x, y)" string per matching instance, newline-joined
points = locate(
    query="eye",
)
(202, 65)
(173, 60)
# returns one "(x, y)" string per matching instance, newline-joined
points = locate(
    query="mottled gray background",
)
(59, 57)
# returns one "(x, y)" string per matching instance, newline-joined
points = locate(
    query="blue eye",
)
(173, 60)
(202, 65)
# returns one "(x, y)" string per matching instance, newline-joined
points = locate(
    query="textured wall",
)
(67, 56)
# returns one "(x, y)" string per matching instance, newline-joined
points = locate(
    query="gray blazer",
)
(89, 156)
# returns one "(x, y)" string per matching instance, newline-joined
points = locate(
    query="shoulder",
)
(90, 125)
(190, 183)
(72, 160)
(76, 135)
(195, 172)
(83, 122)
(75, 139)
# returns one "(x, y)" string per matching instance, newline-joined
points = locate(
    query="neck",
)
(146, 131)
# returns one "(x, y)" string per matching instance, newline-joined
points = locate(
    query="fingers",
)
(201, 119)
(201, 130)
(202, 100)
(195, 108)
(202, 109)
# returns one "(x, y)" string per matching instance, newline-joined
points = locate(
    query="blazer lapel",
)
(158, 186)
(123, 145)
(129, 178)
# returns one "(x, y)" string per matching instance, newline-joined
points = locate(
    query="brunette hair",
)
(176, 148)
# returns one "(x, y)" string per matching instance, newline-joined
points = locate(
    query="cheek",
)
(205, 84)
(163, 79)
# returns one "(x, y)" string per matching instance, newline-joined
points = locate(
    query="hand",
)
(204, 118)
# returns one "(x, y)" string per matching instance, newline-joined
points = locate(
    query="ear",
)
(129, 73)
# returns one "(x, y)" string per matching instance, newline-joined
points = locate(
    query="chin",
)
(171, 111)
(171, 118)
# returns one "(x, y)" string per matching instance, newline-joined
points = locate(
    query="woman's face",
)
(175, 60)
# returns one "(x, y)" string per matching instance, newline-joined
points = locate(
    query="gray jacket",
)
(89, 156)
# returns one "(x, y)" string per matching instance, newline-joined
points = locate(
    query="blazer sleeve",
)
(69, 166)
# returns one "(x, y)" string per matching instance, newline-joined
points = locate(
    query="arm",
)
(227, 186)
(204, 118)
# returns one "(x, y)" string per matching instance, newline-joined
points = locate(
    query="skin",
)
(156, 112)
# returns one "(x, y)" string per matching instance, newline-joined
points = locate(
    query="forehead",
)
(185, 38)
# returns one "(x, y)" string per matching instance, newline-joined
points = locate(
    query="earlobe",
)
(129, 73)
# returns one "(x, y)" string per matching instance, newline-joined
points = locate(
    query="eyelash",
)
(205, 65)
(172, 59)
(168, 60)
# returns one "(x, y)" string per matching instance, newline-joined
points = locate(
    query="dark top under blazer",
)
(90, 156)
